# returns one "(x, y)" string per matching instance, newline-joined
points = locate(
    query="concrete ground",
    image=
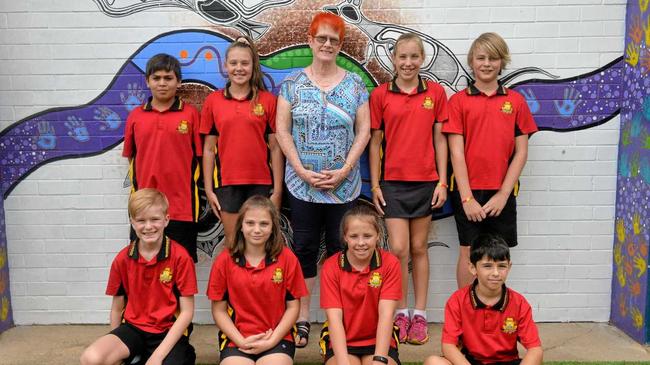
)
(62, 344)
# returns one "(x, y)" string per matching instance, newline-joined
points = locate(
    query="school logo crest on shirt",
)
(258, 109)
(428, 103)
(506, 107)
(182, 127)
(509, 326)
(375, 280)
(166, 276)
(277, 276)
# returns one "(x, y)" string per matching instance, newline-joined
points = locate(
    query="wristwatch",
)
(380, 359)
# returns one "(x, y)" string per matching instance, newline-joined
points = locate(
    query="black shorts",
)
(283, 347)
(361, 351)
(143, 344)
(328, 353)
(407, 199)
(473, 361)
(505, 225)
(185, 233)
(231, 197)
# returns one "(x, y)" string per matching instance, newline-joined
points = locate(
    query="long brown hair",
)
(275, 243)
(255, 82)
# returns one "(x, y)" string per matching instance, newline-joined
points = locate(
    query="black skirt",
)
(407, 199)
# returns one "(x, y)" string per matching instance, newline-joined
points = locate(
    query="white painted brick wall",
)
(66, 221)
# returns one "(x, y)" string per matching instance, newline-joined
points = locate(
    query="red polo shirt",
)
(151, 287)
(489, 125)
(163, 149)
(256, 295)
(358, 293)
(489, 334)
(242, 154)
(407, 121)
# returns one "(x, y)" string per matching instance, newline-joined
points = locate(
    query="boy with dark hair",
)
(487, 133)
(153, 283)
(484, 321)
(162, 143)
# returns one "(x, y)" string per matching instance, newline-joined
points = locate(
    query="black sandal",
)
(302, 331)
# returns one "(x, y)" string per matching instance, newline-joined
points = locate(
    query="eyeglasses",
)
(323, 39)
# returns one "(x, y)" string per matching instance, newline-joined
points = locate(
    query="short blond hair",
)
(146, 198)
(494, 45)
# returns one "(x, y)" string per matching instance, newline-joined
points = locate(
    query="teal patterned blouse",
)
(323, 132)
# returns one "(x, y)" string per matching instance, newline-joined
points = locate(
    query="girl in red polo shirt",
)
(408, 171)
(239, 127)
(359, 290)
(255, 285)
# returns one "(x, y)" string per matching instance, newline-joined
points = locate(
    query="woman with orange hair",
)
(322, 126)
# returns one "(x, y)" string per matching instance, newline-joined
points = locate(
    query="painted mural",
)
(630, 307)
(560, 105)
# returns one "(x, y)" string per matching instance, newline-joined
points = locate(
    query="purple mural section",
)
(630, 297)
(575, 103)
(6, 319)
(70, 132)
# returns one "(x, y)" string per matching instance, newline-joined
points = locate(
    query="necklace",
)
(323, 83)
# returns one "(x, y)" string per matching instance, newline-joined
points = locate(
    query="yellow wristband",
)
(467, 199)
(443, 185)
(376, 187)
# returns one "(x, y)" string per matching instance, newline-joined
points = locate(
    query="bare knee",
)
(419, 250)
(436, 360)
(400, 248)
(91, 357)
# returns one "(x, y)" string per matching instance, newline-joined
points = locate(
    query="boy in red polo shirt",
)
(487, 132)
(153, 283)
(162, 143)
(359, 291)
(486, 319)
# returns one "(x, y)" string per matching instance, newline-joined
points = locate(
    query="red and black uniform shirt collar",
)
(478, 304)
(176, 106)
(240, 260)
(472, 90)
(228, 95)
(422, 86)
(163, 254)
(375, 261)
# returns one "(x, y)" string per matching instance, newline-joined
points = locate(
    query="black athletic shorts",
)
(283, 347)
(505, 225)
(232, 197)
(142, 344)
(361, 351)
(328, 353)
(473, 361)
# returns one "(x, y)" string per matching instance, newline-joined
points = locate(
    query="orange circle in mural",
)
(208, 56)
(183, 53)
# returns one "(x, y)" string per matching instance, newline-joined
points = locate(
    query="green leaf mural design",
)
(300, 56)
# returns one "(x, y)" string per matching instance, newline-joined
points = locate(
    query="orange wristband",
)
(443, 185)
(467, 199)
